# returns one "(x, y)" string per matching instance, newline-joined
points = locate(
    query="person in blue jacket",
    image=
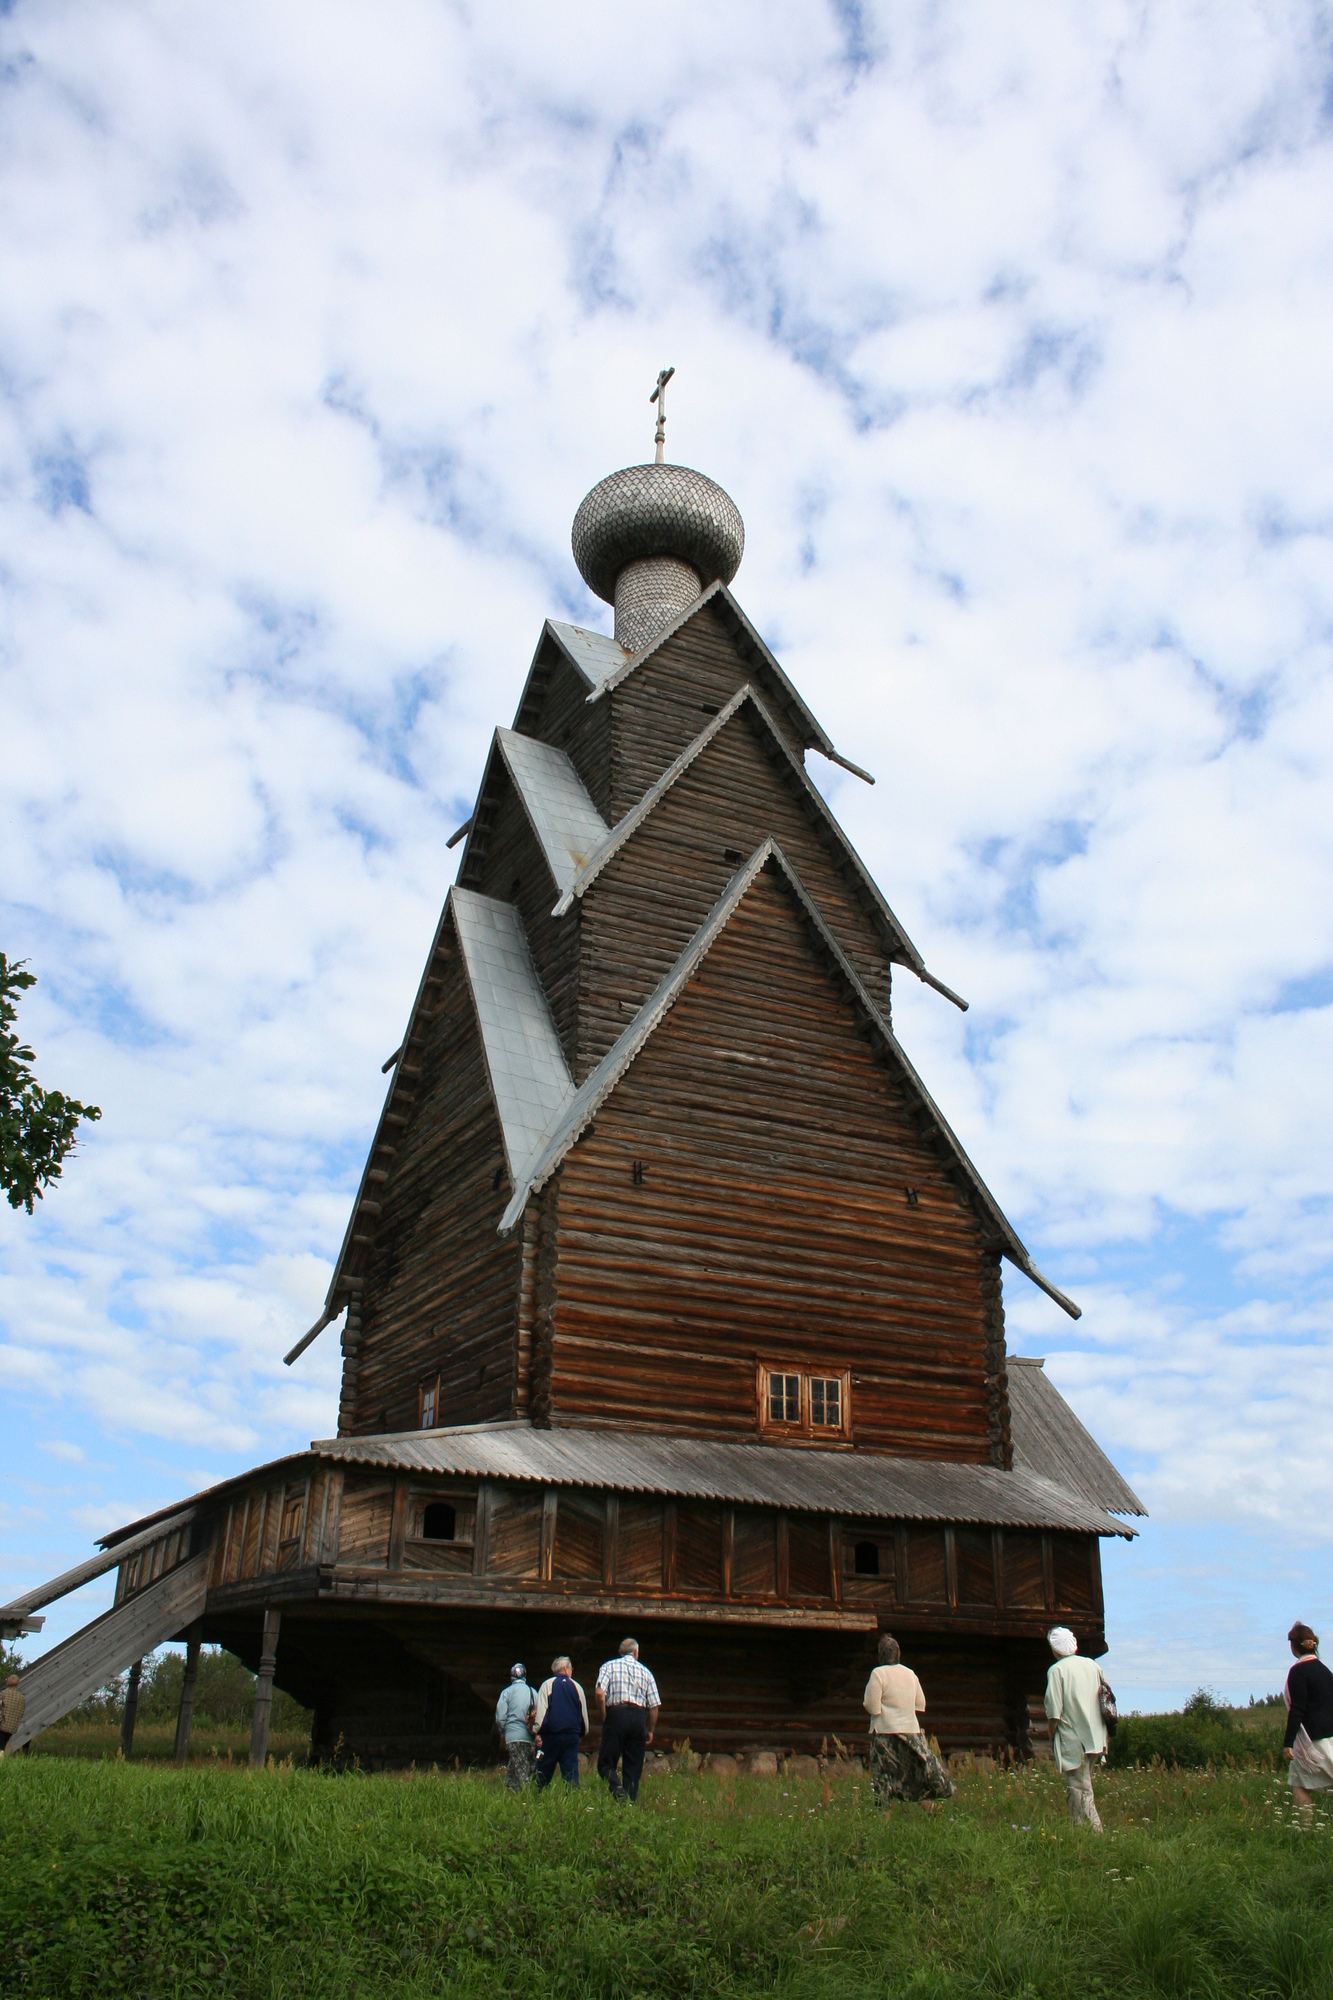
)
(511, 1717)
(562, 1723)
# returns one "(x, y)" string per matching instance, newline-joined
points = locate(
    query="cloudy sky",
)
(1008, 330)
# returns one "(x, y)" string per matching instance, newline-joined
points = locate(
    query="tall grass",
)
(120, 1879)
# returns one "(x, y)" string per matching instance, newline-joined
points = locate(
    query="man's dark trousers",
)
(624, 1741)
(559, 1747)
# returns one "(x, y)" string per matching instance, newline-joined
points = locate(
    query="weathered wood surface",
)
(72, 1671)
(98, 1565)
(441, 1287)
(772, 1221)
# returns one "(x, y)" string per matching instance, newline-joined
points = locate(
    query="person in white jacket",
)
(902, 1763)
(1073, 1702)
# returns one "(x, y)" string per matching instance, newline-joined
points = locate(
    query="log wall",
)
(441, 1288)
(773, 1220)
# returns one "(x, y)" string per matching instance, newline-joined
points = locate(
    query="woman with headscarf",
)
(1308, 1743)
(902, 1763)
(1074, 1704)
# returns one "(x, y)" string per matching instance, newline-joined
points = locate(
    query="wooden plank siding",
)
(772, 1221)
(661, 707)
(441, 1287)
(648, 902)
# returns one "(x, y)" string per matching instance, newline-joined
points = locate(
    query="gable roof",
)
(596, 655)
(719, 600)
(555, 799)
(583, 1104)
(530, 1081)
(901, 948)
(1049, 1439)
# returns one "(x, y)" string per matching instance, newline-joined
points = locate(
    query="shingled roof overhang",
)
(900, 947)
(1048, 1438)
(599, 1084)
(872, 1485)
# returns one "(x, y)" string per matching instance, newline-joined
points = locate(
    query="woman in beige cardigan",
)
(902, 1763)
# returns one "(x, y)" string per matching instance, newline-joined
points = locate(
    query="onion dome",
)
(650, 538)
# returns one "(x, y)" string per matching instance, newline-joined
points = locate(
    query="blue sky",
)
(1006, 328)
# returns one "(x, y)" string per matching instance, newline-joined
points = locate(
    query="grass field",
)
(128, 1879)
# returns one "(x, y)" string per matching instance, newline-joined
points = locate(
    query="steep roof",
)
(530, 1082)
(563, 817)
(901, 948)
(718, 600)
(1049, 1439)
(581, 1107)
(596, 655)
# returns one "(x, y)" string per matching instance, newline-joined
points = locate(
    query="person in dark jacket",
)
(1308, 1743)
(562, 1723)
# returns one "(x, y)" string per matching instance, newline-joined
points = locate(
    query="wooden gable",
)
(757, 1190)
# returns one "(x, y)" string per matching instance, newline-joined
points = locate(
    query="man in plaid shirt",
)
(627, 1704)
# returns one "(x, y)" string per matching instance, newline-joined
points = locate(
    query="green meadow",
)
(138, 1879)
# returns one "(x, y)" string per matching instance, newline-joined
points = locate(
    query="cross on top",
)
(659, 397)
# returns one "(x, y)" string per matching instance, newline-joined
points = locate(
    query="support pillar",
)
(185, 1717)
(268, 1660)
(130, 1710)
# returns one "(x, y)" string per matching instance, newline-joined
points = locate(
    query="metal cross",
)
(659, 397)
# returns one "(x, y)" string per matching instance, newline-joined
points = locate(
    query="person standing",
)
(1308, 1743)
(627, 1702)
(12, 1707)
(512, 1713)
(1074, 1703)
(902, 1763)
(562, 1723)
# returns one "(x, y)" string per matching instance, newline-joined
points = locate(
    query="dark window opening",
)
(438, 1522)
(732, 854)
(867, 1559)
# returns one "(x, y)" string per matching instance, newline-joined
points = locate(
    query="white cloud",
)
(1007, 333)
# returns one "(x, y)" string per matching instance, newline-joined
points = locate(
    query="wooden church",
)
(670, 1302)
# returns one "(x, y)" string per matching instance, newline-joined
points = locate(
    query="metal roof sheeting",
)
(530, 1082)
(564, 818)
(1050, 1440)
(596, 655)
(807, 1481)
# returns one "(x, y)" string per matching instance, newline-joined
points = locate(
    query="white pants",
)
(1078, 1791)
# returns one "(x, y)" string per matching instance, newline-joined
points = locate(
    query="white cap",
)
(1061, 1641)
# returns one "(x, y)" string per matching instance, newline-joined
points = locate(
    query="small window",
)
(810, 1407)
(430, 1404)
(867, 1559)
(826, 1402)
(784, 1399)
(291, 1519)
(438, 1522)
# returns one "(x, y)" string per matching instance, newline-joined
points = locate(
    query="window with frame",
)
(805, 1405)
(429, 1404)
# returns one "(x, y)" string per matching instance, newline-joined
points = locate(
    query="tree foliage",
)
(37, 1127)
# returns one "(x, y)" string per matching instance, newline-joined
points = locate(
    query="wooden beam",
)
(610, 1541)
(73, 1579)
(130, 1711)
(728, 1547)
(951, 1568)
(669, 1547)
(481, 1534)
(398, 1522)
(185, 1714)
(835, 1558)
(90, 1657)
(546, 1552)
(268, 1660)
(783, 1555)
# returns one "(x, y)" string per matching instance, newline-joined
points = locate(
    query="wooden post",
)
(185, 1715)
(669, 1546)
(546, 1557)
(835, 1558)
(130, 1710)
(728, 1545)
(610, 1541)
(951, 1568)
(481, 1533)
(900, 1576)
(783, 1553)
(268, 1660)
(398, 1522)
(997, 1565)
(1048, 1570)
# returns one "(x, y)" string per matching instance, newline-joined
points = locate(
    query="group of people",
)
(1081, 1707)
(542, 1731)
